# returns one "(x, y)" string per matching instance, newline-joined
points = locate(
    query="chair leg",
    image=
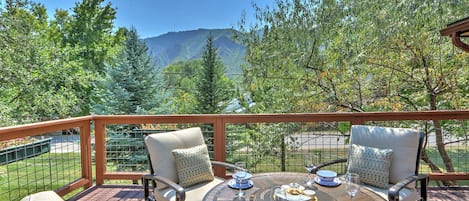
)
(146, 190)
(423, 186)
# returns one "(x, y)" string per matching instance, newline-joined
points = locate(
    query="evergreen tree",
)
(131, 85)
(212, 88)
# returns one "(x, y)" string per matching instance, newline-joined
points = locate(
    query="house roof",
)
(456, 31)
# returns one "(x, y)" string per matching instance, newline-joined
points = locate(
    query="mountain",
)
(186, 45)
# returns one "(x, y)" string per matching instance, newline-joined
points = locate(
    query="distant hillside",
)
(186, 45)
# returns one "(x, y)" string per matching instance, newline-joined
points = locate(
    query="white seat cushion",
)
(405, 194)
(161, 145)
(193, 193)
(43, 196)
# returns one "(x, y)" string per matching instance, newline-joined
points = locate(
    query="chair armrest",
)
(321, 165)
(393, 193)
(180, 192)
(224, 164)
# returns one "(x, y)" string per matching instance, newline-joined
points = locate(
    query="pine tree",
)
(131, 86)
(213, 87)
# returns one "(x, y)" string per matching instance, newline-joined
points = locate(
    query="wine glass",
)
(352, 184)
(308, 163)
(239, 176)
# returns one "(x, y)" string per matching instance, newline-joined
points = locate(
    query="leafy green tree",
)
(286, 68)
(212, 85)
(418, 70)
(356, 56)
(180, 80)
(89, 29)
(287, 62)
(38, 80)
(131, 86)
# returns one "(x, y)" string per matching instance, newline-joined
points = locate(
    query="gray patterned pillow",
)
(193, 165)
(372, 164)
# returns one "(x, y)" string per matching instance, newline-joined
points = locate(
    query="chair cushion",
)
(193, 193)
(161, 145)
(193, 165)
(403, 142)
(372, 164)
(43, 196)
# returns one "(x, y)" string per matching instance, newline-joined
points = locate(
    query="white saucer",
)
(233, 184)
(333, 183)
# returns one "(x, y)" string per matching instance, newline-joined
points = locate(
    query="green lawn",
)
(457, 155)
(49, 171)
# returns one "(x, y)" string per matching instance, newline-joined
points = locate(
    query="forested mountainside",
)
(186, 45)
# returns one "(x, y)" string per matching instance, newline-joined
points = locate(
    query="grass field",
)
(44, 172)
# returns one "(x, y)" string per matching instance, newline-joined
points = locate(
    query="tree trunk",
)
(440, 144)
(441, 149)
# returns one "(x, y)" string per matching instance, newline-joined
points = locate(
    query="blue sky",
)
(156, 17)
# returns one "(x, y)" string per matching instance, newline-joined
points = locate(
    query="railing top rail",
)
(348, 116)
(285, 117)
(38, 128)
(53, 125)
(139, 119)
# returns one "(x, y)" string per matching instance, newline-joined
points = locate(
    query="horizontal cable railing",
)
(266, 142)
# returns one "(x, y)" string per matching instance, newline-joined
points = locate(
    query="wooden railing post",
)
(219, 145)
(100, 154)
(85, 147)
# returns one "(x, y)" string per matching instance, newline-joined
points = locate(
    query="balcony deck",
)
(89, 155)
(135, 192)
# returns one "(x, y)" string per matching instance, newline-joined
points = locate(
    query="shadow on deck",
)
(135, 192)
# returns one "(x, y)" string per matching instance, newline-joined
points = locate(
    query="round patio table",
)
(265, 183)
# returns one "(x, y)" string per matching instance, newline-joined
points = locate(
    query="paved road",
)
(65, 143)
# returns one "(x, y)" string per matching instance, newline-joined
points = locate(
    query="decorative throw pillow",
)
(372, 164)
(193, 165)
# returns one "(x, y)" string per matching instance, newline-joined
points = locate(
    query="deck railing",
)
(66, 167)
(230, 138)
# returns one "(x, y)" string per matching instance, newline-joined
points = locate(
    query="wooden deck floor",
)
(448, 193)
(111, 193)
(135, 192)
